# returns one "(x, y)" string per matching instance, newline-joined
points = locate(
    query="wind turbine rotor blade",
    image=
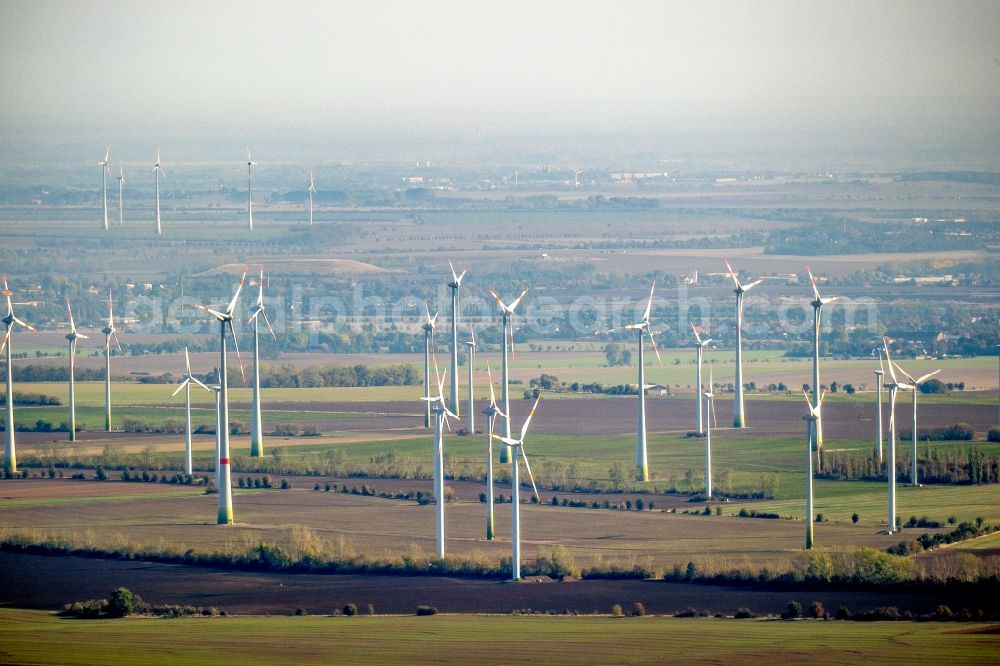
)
(196, 381)
(493, 395)
(181, 386)
(697, 337)
(427, 312)
(82, 336)
(218, 315)
(69, 309)
(656, 351)
(926, 377)
(524, 428)
(753, 284)
(239, 358)
(649, 303)
(114, 334)
(888, 360)
(812, 281)
(232, 303)
(492, 293)
(187, 361)
(527, 467)
(268, 322)
(509, 441)
(518, 299)
(24, 324)
(454, 275)
(905, 373)
(6, 337)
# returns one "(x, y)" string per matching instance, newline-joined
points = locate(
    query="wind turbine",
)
(223, 480)
(817, 304)
(506, 312)
(105, 171)
(428, 327)
(441, 413)
(72, 336)
(250, 166)
(491, 412)
(471, 344)
(10, 457)
(256, 434)
(517, 445)
(880, 437)
(890, 467)
(700, 349)
(454, 285)
(915, 388)
(811, 418)
(642, 326)
(738, 418)
(109, 332)
(576, 178)
(121, 196)
(186, 385)
(709, 397)
(312, 191)
(158, 171)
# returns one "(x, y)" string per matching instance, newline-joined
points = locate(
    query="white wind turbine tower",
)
(739, 421)
(915, 388)
(223, 479)
(576, 178)
(121, 196)
(158, 171)
(186, 385)
(506, 312)
(256, 432)
(72, 336)
(491, 412)
(471, 344)
(700, 349)
(879, 436)
(428, 327)
(441, 414)
(105, 172)
(312, 191)
(109, 333)
(454, 285)
(517, 445)
(890, 466)
(811, 417)
(642, 326)
(817, 424)
(10, 456)
(709, 397)
(250, 165)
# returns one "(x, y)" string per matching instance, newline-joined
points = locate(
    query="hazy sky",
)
(445, 64)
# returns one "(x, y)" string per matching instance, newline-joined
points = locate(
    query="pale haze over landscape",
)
(357, 77)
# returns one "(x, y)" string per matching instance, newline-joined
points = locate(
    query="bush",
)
(994, 434)
(426, 610)
(638, 610)
(285, 485)
(855, 518)
(793, 611)
(743, 614)
(301, 611)
(817, 611)
(843, 613)
(124, 602)
(616, 611)
(352, 609)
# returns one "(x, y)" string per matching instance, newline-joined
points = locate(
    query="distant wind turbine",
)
(817, 424)
(158, 171)
(428, 327)
(250, 166)
(894, 387)
(109, 333)
(105, 172)
(471, 344)
(441, 414)
(810, 418)
(257, 434)
(224, 478)
(491, 412)
(121, 196)
(10, 455)
(700, 349)
(507, 313)
(517, 446)
(312, 191)
(454, 285)
(879, 436)
(72, 337)
(739, 421)
(709, 397)
(915, 388)
(186, 385)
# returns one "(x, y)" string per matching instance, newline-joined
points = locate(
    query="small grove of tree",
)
(959, 465)
(935, 386)
(616, 354)
(31, 399)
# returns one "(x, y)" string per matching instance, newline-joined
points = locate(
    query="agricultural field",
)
(32, 637)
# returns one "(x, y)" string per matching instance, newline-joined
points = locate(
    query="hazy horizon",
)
(440, 80)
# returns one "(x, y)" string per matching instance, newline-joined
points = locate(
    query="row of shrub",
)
(21, 398)
(960, 465)
(122, 602)
(927, 541)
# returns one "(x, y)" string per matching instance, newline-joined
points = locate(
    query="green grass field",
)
(32, 637)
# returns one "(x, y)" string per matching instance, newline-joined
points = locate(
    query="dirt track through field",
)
(48, 582)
